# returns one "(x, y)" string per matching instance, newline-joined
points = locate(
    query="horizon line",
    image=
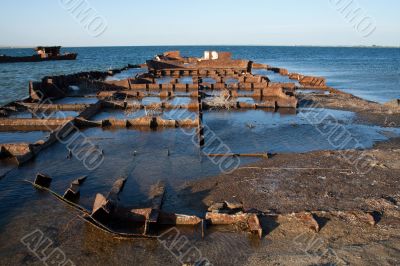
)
(202, 45)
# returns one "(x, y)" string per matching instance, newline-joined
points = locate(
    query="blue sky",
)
(179, 22)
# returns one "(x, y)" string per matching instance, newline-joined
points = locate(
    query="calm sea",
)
(371, 73)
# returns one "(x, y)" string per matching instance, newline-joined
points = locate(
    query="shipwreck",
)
(43, 53)
(214, 81)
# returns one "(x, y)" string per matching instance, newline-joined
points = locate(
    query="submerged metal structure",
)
(213, 81)
(167, 91)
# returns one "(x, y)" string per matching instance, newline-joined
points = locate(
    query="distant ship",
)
(43, 53)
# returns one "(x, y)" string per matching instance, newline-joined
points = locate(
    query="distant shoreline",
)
(216, 45)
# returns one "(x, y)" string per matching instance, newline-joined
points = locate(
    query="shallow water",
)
(45, 115)
(209, 80)
(22, 136)
(186, 80)
(117, 114)
(277, 133)
(164, 80)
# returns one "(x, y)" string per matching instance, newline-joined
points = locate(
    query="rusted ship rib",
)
(44, 53)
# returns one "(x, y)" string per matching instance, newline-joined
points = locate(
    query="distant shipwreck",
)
(43, 53)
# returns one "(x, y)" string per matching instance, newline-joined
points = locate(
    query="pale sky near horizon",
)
(205, 22)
